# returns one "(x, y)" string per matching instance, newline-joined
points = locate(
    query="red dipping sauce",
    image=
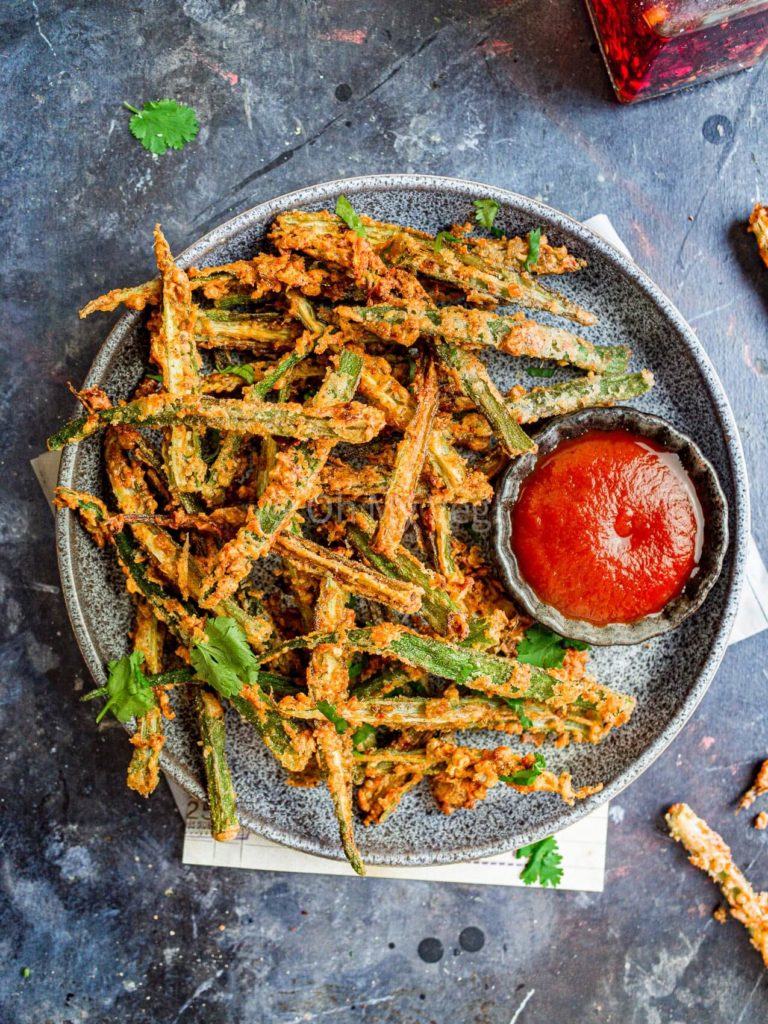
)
(608, 527)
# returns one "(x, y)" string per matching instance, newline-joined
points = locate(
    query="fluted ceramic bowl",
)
(668, 675)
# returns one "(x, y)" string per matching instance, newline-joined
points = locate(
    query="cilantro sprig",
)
(485, 215)
(348, 214)
(526, 776)
(441, 238)
(534, 241)
(543, 863)
(163, 124)
(225, 660)
(128, 689)
(545, 649)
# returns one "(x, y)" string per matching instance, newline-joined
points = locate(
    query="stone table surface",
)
(95, 901)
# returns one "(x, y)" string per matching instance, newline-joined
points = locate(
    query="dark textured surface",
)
(95, 902)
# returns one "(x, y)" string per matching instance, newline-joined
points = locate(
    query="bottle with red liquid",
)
(652, 47)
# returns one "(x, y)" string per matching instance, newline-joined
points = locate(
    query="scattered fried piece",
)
(758, 787)
(758, 225)
(709, 852)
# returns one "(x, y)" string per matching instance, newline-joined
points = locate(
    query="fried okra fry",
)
(474, 380)
(411, 452)
(221, 792)
(149, 738)
(758, 787)
(708, 851)
(173, 349)
(478, 329)
(758, 225)
(351, 422)
(328, 681)
(572, 395)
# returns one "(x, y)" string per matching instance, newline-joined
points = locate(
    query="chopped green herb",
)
(441, 238)
(346, 211)
(154, 376)
(517, 705)
(225, 660)
(242, 370)
(485, 212)
(364, 737)
(543, 863)
(25, 972)
(534, 238)
(163, 124)
(545, 649)
(540, 371)
(329, 711)
(129, 691)
(526, 775)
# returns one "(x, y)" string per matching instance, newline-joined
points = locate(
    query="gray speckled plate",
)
(668, 675)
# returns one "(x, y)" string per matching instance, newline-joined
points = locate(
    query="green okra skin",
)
(221, 791)
(384, 682)
(474, 328)
(582, 393)
(477, 385)
(288, 419)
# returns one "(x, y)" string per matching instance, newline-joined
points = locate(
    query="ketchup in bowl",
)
(608, 527)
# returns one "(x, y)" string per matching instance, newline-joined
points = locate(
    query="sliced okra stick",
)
(411, 452)
(572, 395)
(173, 349)
(221, 791)
(328, 683)
(473, 379)
(351, 422)
(475, 328)
(149, 737)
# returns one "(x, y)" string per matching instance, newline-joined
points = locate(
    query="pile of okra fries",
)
(340, 370)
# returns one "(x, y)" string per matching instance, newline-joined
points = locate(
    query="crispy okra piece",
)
(441, 611)
(758, 788)
(173, 349)
(530, 719)
(436, 520)
(478, 329)
(149, 738)
(708, 851)
(473, 379)
(411, 452)
(305, 555)
(758, 225)
(222, 802)
(572, 395)
(386, 393)
(328, 684)
(351, 421)
(340, 480)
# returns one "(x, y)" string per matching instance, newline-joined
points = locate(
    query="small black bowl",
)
(710, 494)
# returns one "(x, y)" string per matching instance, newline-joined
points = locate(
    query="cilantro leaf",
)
(130, 694)
(346, 211)
(225, 659)
(517, 705)
(534, 239)
(364, 737)
(544, 860)
(329, 710)
(540, 371)
(541, 647)
(241, 370)
(526, 775)
(485, 212)
(163, 124)
(577, 645)
(441, 237)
